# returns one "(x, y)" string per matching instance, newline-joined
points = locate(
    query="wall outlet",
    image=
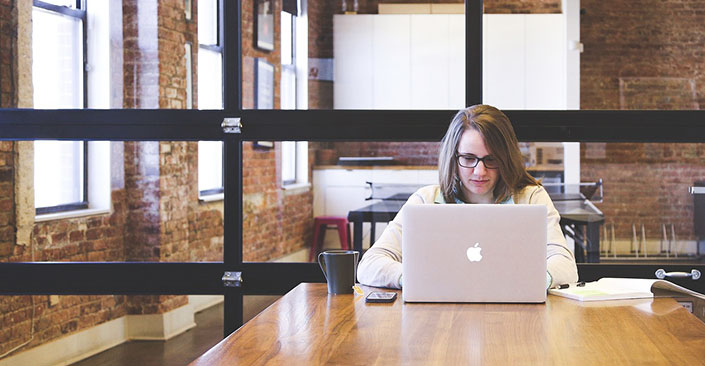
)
(687, 304)
(53, 300)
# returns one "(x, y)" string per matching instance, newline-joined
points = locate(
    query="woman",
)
(479, 162)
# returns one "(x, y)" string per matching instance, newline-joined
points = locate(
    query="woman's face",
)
(477, 183)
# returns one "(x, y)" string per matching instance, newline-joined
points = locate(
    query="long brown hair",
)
(501, 141)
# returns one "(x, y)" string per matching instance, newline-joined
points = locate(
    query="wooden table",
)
(309, 327)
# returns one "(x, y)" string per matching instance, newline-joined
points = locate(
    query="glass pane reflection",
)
(354, 55)
(620, 187)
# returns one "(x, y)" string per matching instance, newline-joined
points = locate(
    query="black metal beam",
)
(149, 278)
(344, 125)
(115, 125)
(230, 38)
(473, 52)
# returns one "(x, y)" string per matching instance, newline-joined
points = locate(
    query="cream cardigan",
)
(381, 264)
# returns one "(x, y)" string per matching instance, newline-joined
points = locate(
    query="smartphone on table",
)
(381, 297)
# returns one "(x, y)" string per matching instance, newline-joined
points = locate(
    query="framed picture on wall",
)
(264, 92)
(264, 24)
(264, 84)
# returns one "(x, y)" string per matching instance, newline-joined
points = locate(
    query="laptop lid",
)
(474, 253)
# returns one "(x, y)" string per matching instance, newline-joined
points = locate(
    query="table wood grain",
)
(309, 327)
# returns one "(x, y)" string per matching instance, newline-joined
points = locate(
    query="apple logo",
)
(474, 253)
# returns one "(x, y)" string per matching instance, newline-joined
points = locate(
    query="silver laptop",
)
(474, 253)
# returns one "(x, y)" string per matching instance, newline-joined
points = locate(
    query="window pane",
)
(210, 80)
(134, 56)
(610, 214)
(375, 56)
(57, 69)
(288, 88)
(58, 173)
(66, 3)
(144, 203)
(643, 64)
(591, 55)
(650, 216)
(287, 43)
(210, 165)
(527, 63)
(208, 22)
(288, 161)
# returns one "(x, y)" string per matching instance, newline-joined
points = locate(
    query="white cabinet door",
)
(353, 62)
(429, 61)
(456, 62)
(391, 65)
(545, 61)
(504, 61)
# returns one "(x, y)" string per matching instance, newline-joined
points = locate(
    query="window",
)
(58, 39)
(210, 96)
(294, 154)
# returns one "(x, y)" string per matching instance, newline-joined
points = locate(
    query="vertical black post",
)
(473, 52)
(230, 39)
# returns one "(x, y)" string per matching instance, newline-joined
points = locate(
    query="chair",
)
(320, 224)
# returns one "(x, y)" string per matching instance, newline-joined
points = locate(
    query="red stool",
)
(320, 224)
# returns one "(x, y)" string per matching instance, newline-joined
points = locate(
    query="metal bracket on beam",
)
(696, 190)
(231, 125)
(232, 279)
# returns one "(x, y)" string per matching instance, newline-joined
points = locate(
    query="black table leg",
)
(357, 236)
(372, 232)
(593, 242)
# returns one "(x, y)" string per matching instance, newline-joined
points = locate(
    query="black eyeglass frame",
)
(479, 159)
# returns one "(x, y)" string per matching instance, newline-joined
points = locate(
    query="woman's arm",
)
(560, 261)
(381, 264)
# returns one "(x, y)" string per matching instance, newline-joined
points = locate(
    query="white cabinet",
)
(399, 61)
(524, 59)
(353, 38)
(417, 61)
(392, 61)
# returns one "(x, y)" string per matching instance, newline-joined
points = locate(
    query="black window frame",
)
(80, 13)
(309, 125)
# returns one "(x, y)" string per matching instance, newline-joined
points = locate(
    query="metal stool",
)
(320, 224)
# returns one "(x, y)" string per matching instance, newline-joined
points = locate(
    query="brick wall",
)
(275, 222)
(652, 59)
(404, 153)
(654, 39)
(8, 76)
(141, 54)
(7, 199)
(174, 32)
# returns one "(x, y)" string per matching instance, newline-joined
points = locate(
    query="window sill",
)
(71, 214)
(212, 197)
(296, 187)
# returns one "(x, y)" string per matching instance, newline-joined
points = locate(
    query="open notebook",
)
(623, 288)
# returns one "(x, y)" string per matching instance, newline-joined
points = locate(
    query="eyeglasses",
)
(471, 161)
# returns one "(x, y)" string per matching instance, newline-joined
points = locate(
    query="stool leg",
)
(317, 241)
(344, 236)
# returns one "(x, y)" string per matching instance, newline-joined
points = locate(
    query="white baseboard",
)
(160, 327)
(202, 302)
(81, 345)
(73, 348)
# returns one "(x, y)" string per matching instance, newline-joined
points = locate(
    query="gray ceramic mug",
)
(340, 268)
